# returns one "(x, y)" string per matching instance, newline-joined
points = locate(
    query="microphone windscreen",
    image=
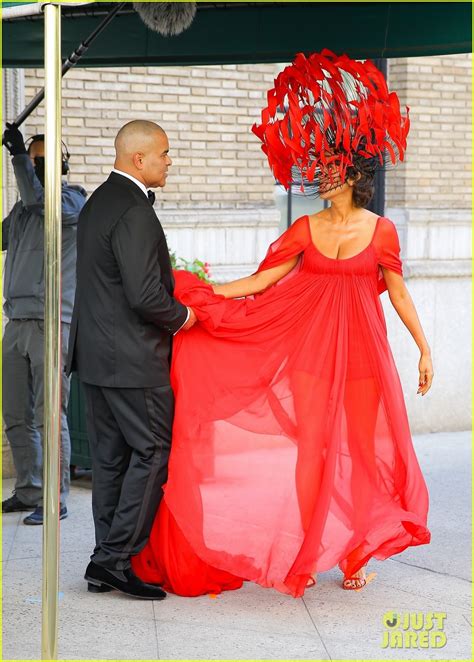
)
(167, 18)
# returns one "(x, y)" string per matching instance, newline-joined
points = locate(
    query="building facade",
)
(429, 198)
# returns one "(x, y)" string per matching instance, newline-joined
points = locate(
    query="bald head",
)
(136, 136)
(141, 150)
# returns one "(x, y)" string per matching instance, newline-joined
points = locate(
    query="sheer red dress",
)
(291, 448)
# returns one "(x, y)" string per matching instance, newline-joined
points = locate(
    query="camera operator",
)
(23, 340)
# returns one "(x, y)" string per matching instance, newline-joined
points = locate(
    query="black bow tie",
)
(151, 197)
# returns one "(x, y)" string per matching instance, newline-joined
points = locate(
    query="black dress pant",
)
(129, 433)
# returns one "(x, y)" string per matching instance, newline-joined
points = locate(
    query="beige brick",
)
(72, 84)
(74, 121)
(130, 78)
(217, 73)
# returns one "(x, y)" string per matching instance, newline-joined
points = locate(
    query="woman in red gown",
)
(291, 447)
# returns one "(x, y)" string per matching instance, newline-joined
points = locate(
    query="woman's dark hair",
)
(363, 174)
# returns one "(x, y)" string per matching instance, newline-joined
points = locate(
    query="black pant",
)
(129, 433)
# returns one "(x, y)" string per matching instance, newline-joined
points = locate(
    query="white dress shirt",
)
(142, 186)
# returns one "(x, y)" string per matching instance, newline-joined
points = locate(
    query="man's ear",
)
(138, 160)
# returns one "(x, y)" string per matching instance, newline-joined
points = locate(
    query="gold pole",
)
(52, 327)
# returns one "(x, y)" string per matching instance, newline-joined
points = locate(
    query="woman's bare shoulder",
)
(370, 215)
(319, 215)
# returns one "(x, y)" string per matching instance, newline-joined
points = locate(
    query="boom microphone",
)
(167, 18)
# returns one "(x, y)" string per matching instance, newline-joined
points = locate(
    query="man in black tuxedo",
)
(123, 321)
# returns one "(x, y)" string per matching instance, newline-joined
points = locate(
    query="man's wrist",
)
(185, 321)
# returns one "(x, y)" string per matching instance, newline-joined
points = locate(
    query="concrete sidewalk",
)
(253, 623)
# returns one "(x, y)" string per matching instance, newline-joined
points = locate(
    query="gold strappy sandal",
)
(354, 583)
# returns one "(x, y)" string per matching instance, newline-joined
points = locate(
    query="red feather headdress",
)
(327, 113)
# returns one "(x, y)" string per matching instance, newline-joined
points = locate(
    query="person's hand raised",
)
(13, 140)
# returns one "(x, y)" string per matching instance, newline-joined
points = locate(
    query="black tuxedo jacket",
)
(124, 312)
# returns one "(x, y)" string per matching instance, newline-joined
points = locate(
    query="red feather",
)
(323, 84)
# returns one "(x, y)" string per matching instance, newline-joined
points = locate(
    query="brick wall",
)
(437, 171)
(207, 113)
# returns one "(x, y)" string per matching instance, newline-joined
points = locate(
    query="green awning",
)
(246, 32)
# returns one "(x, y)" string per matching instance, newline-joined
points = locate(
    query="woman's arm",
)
(403, 304)
(256, 282)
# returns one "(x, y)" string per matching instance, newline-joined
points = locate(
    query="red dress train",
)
(291, 447)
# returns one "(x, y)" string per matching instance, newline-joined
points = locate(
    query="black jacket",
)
(124, 312)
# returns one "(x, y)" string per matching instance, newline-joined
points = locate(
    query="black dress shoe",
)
(102, 588)
(14, 505)
(101, 579)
